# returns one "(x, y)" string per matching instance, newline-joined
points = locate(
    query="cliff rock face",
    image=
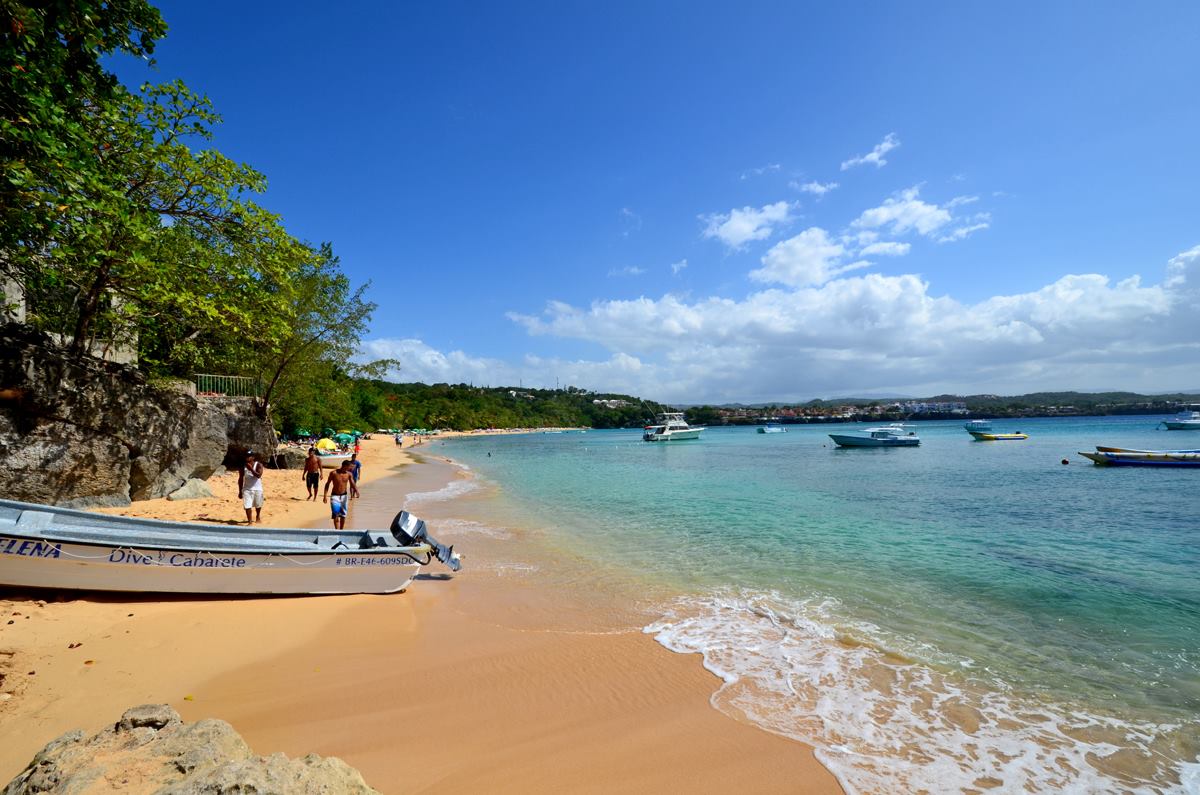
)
(150, 750)
(78, 431)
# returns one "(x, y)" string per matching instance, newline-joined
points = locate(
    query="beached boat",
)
(671, 427)
(1183, 421)
(1149, 458)
(332, 460)
(772, 427)
(883, 436)
(46, 547)
(982, 436)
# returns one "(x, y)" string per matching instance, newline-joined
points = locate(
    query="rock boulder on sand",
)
(193, 488)
(150, 750)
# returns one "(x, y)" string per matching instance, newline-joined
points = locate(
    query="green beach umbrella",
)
(343, 438)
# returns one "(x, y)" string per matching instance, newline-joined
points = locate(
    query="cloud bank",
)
(824, 335)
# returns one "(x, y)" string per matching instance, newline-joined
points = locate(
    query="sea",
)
(961, 616)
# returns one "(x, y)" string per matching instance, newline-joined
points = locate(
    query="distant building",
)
(611, 404)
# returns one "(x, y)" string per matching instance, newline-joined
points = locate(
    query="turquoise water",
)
(959, 616)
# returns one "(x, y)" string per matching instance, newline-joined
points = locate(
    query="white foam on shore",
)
(882, 723)
(455, 488)
(457, 527)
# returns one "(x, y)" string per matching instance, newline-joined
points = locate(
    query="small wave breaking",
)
(884, 723)
(455, 488)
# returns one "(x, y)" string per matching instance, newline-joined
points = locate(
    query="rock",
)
(291, 458)
(80, 432)
(150, 750)
(192, 488)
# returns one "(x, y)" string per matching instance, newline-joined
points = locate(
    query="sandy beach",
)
(435, 690)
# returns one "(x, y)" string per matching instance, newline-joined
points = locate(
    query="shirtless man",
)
(250, 487)
(342, 482)
(312, 474)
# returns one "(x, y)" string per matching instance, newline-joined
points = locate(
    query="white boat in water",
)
(772, 427)
(883, 436)
(671, 427)
(978, 426)
(1183, 421)
(46, 547)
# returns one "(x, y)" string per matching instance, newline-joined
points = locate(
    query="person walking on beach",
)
(341, 481)
(250, 487)
(312, 474)
(355, 467)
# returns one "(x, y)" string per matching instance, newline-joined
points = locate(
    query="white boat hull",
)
(673, 436)
(48, 547)
(333, 461)
(1182, 425)
(64, 565)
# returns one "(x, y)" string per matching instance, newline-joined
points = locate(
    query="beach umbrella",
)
(303, 432)
(326, 444)
(357, 432)
(343, 438)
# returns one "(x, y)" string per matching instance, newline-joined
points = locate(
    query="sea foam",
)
(455, 488)
(884, 723)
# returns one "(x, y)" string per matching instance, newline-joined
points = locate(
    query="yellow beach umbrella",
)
(326, 444)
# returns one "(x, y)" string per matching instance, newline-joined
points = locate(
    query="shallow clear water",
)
(962, 615)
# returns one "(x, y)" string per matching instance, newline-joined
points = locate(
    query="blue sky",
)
(1016, 203)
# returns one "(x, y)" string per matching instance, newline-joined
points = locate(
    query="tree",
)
(55, 99)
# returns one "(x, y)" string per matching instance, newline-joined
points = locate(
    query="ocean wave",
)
(453, 527)
(455, 488)
(884, 723)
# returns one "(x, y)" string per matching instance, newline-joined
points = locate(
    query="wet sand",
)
(447, 688)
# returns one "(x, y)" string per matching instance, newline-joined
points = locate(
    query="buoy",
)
(1065, 462)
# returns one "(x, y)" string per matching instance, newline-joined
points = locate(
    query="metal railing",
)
(227, 386)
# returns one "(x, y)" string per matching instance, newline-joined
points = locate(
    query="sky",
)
(718, 202)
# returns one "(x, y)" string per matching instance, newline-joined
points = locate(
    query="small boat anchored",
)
(884, 436)
(671, 427)
(47, 547)
(982, 431)
(772, 427)
(1183, 421)
(1121, 457)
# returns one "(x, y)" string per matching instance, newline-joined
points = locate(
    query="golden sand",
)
(425, 691)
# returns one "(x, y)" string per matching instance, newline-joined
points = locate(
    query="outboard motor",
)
(410, 531)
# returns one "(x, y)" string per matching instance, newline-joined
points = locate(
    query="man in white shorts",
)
(250, 487)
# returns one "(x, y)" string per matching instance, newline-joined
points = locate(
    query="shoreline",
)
(500, 705)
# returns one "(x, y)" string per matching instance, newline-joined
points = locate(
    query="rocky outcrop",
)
(79, 431)
(192, 489)
(150, 750)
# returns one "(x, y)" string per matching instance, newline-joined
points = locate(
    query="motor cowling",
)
(411, 531)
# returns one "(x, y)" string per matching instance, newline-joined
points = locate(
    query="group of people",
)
(340, 487)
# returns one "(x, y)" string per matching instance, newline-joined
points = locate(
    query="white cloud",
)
(628, 270)
(958, 201)
(676, 267)
(421, 362)
(815, 188)
(875, 156)
(903, 212)
(758, 172)
(885, 249)
(963, 232)
(630, 221)
(738, 227)
(1179, 265)
(808, 258)
(893, 333)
